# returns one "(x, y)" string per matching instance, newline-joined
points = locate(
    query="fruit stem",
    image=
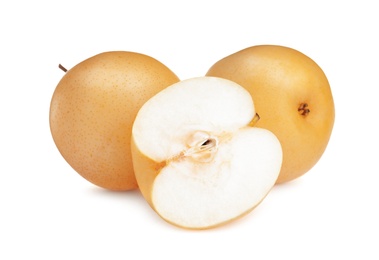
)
(303, 109)
(255, 120)
(62, 68)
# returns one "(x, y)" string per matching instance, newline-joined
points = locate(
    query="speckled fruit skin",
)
(292, 97)
(92, 111)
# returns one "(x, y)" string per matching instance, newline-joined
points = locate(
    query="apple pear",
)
(293, 97)
(92, 112)
(199, 160)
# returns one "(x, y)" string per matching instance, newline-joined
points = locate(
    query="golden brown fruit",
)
(293, 98)
(93, 108)
(207, 164)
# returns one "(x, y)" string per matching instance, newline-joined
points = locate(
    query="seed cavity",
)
(202, 147)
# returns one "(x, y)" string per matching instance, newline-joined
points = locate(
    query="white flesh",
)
(200, 195)
(166, 122)
(195, 192)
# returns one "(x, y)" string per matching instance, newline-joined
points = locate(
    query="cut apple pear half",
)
(198, 159)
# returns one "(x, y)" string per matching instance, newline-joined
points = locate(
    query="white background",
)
(49, 212)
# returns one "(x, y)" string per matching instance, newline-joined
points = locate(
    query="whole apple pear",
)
(93, 108)
(293, 97)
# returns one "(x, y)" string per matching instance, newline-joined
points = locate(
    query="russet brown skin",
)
(92, 111)
(292, 97)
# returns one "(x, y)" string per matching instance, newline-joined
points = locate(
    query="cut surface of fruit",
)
(219, 190)
(197, 161)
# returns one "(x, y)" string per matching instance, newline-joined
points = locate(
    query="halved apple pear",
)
(198, 159)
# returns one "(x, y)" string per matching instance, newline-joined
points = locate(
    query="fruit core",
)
(203, 146)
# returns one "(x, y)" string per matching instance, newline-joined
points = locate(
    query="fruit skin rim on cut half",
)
(198, 162)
